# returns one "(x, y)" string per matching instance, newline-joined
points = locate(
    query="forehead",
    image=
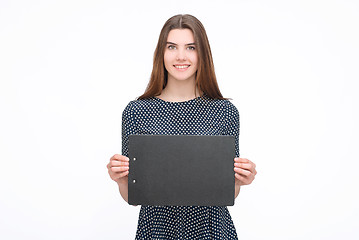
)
(180, 36)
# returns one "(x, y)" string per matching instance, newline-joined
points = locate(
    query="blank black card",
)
(181, 170)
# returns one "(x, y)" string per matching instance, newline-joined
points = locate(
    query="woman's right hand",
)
(118, 168)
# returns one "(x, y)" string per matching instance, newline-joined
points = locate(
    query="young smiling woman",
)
(182, 97)
(180, 59)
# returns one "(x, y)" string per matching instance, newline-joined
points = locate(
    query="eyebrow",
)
(177, 44)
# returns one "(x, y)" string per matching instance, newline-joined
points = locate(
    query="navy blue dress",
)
(199, 116)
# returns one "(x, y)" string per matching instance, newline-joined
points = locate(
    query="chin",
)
(182, 78)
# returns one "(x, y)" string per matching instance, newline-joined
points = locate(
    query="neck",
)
(179, 91)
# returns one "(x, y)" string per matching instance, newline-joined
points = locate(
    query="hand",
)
(245, 171)
(118, 167)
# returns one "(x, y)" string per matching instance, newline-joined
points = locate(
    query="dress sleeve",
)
(128, 126)
(233, 125)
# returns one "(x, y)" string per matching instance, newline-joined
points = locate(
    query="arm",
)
(118, 167)
(244, 169)
(128, 128)
(245, 172)
(237, 190)
(123, 187)
(232, 126)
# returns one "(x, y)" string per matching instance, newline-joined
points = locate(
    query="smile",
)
(181, 66)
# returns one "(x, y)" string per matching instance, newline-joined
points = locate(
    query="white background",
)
(68, 68)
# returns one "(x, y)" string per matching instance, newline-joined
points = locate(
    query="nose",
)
(181, 54)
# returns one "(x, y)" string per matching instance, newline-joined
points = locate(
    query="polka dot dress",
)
(199, 116)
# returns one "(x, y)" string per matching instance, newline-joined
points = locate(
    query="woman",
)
(182, 97)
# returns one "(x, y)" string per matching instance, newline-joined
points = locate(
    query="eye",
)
(171, 47)
(191, 48)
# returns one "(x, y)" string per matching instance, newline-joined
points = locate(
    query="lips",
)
(181, 66)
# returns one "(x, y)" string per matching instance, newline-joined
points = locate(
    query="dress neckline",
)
(187, 101)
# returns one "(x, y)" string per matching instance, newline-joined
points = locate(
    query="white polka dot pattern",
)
(199, 116)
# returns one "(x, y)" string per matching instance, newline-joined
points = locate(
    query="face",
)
(181, 56)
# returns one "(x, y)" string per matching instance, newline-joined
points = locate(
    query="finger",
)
(244, 166)
(252, 163)
(240, 178)
(119, 175)
(124, 174)
(242, 172)
(243, 160)
(119, 169)
(119, 157)
(115, 163)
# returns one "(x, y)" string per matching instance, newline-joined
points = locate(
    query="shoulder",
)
(138, 105)
(232, 110)
(224, 104)
(227, 108)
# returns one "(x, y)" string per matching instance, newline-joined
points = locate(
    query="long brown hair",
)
(206, 80)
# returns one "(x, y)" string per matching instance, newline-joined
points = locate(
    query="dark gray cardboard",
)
(181, 170)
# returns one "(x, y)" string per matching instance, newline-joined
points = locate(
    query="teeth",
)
(181, 67)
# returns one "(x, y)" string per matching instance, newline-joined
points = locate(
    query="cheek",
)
(195, 64)
(168, 57)
(194, 58)
(167, 60)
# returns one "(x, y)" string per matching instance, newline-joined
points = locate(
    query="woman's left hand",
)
(245, 171)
